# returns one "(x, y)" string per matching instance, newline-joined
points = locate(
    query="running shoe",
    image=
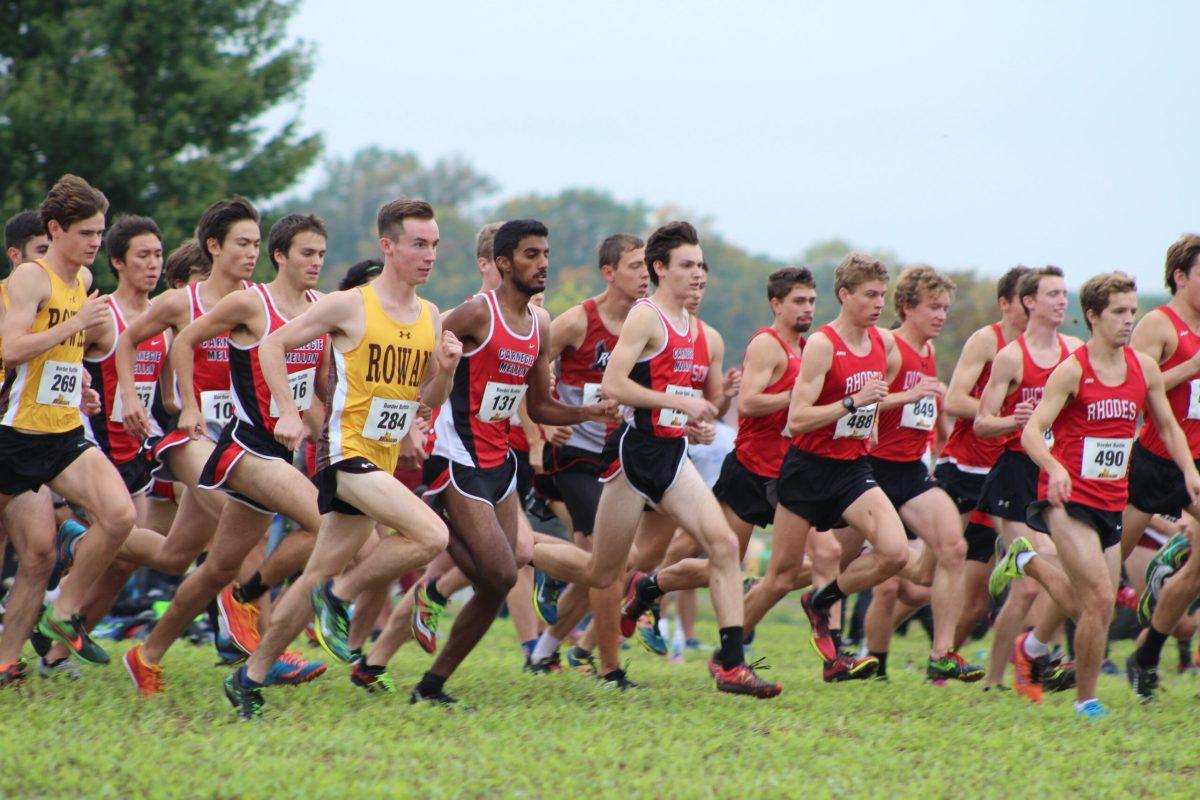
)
(543, 666)
(63, 668)
(743, 679)
(65, 542)
(1059, 676)
(848, 667)
(632, 607)
(42, 643)
(13, 674)
(1027, 671)
(648, 634)
(372, 678)
(426, 615)
(238, 620)
(617, 679)
(1092, 710)
(818, 620)
(227, 654)
(1162, 565)
(1006, 569)
(292, 670)
(545, 596)
(438, 698)
(1126, 598)
(332, 623)
(146, 677)
(953, 667)
(247, 700)
(582, 661)
(73, 634)
(1143, 680)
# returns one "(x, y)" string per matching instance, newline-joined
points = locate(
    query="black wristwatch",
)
(848, 402)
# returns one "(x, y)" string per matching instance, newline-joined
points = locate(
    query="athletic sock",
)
(545, 647)
(433, 594)
(528, 646)
(732, 652)
(827, 596)
(251, 590)
(1034, 648)
(430, 684)
(647, 590)
(836, 635)
(1185, 652)
(882, 657)
(1024, 558)
(1151, 650)
(244, 677)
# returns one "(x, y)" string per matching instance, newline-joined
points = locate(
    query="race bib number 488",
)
(857, 425)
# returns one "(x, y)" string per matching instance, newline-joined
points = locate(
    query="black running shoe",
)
(438, 698)
(544, 666)
(247, 700)
(617, 679)
(1144, 680)
(1059, 676)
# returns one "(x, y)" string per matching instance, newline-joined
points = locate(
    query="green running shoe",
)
(582, 662)
(1006, 569)
(73, 634)
(953, 667)
(247, 700)
(1163, 564)
(333, 623)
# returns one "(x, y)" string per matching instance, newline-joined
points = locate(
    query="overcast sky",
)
(1030, 132)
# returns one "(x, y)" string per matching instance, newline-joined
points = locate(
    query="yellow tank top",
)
(375, 387)
(42, 395)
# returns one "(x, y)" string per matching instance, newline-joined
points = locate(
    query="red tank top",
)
(964, 449)
(252, 402)
(1184, 398)
(106, 428)
(701, 363)
(904, 431)
(580, 371)
(761, 444)
(489, 382)
(669, 370)
(210, 366)
(1094, 433)
(846, 438)
(1033, 384)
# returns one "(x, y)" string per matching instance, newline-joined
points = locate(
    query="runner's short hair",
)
(390, 219)
(285, 231)
(914, 284)
(1099, 289)
(857, 269)
(1181, 256)
(781, 282)
(509, 235)
(122, 232)
(219, 218)
(184, 262)
(664, 240)
(1028, 284)
(484, 240)
(71, 200)
(617, 245)
(361, 274)
(22, 227)
(1006, 287)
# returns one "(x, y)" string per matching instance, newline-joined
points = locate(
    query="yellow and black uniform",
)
(41, 430)
(372, 397)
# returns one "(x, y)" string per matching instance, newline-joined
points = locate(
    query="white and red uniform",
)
(846, 438)
(1184, 397)
(580, 371)
(761, 443)
(668, 370)
(1031, 388)
(964, 449)
(904, 431)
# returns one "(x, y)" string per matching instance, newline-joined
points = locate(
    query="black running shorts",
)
(489, 485)
(1106, 524)
(963, 487)
(576, 473)
(651, 464)
(1010, 487)
(901, 481)
(28, 461)
(820, 489)
(981, 542)
(1155, 484)
(326, 482)
(236, 439)
(136, 474)
(750, 496)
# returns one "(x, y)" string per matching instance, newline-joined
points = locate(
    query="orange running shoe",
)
(1027, 671)
(238, 620)
(146, 677)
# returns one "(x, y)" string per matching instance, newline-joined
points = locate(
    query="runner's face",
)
(684, 270)
(696, 297)
(796, 310)
(864, 305)
(35, 248)
(79, 243)
(630, 277)
(238, 254)
(414, 251)
(1050, 302)
(1115, 323)
(1189, 285)
(143, 263)
(305, 258)
(530, 265)
(488, 272)
(1013, 314)
(928, 316)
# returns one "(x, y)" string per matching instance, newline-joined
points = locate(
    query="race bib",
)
(1194, 399)
(62, 384)
(920, 415)
(145, 395)
(673, 418)
(857, 425)
(500, 401)
(301, 384)
(388, 421)
(591, 394)
(217, 407)
(1105, 459)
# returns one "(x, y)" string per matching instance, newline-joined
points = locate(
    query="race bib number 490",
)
(1105, 459)
(301, 385)
(62, 384)
(388, 420)
(217, 406)
(145, 395)
(920, 414)
(671, 417)
(857, 425)
(500, 401)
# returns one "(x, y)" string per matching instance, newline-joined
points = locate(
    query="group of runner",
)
(173, 424)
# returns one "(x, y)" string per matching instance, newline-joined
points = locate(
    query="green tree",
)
(158, 103)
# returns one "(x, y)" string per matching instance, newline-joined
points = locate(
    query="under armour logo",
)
(403, 334)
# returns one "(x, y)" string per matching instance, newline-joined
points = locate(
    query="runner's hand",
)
(93, 312)
(449, 351)
(701, 432)
(89, 401)
(289, 430)
(1192, 481)
(556, 435)
(190, 422)
(1058, 487)
(606, 411)
(875, 390)
(1022, 412)
(927, 387)
(697, 409)
(731, 384)
(135, 418)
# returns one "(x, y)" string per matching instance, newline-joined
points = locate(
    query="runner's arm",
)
(1005, 371)
(238, 309)
(566, 333)
(1150, 338)
(1158, 408)
(168, 311)
(803, 416)
(764, 363)
(976, 353)
(543, 408)
(714, 385)
(1059, 388)
(28, 287)
(446, 355)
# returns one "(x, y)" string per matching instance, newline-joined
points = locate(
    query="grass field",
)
(561, 736)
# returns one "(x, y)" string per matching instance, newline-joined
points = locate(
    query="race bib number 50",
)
(500, 401)
(62, 384)
(388, 421)
(857, 425)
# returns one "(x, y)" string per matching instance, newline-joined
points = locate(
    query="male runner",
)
(1015, 386)
(247, 463)
(650, 371)
(908, 416)
(1092, 401)
(966, 459)
(389, 355)
(41, 439)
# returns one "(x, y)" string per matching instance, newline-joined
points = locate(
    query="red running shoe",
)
(1027, 671)
(742, 679)
(820, 639)
(849, 668)
(631, 609)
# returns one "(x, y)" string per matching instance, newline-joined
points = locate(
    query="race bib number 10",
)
(388, 421)
(500, 401)
(301, 384)
(62, 384)
(217, 407)
(857, 425)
